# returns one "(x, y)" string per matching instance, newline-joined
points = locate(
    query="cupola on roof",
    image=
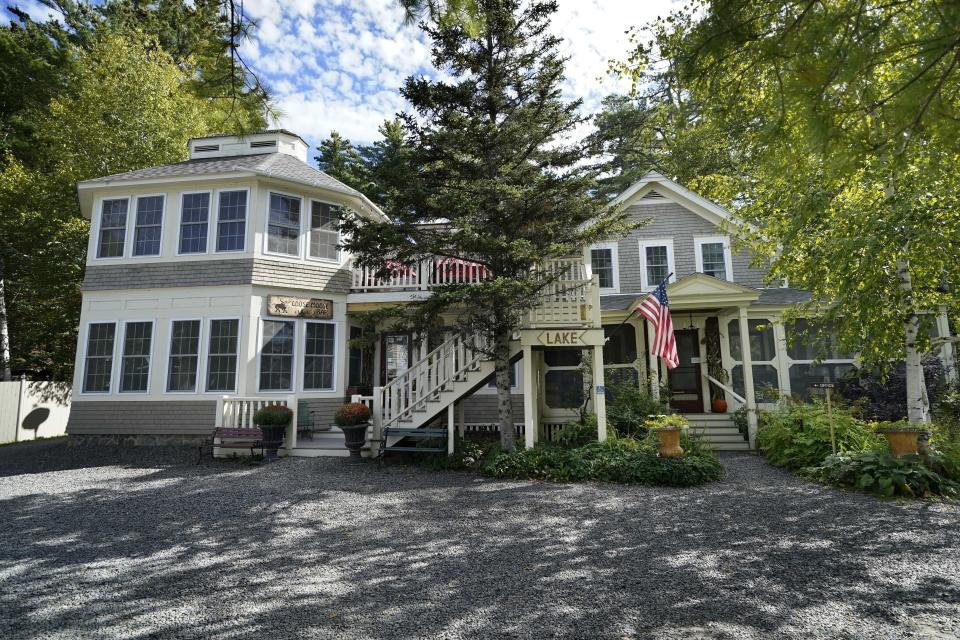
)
(270, 141)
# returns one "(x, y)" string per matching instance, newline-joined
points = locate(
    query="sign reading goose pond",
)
(314, 308)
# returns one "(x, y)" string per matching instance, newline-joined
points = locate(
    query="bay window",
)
(276, 355)
(148, 226)
(232, 220)
(283, 227)
(194, 222)
(222, 355)
(319, 355)
(135, 365)
(184, 357)
(324, 231)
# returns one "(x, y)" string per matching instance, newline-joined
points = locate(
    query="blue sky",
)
(338, 64)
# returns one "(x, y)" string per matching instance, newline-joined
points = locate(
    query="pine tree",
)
(340, 159)
(491, 156)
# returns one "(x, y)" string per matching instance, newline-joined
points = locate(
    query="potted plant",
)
(902, 437)
(273, 421)
(353, 419)
(668, 429)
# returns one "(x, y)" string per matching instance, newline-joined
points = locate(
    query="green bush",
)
(629, 406)
(577, 434)
(945, 441)
(797, 434)
(623, 460)
(273, 415)
(882, 474)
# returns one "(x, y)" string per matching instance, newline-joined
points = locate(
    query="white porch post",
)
(451, 428)
(947, 355)
(461, 420)
(599, 399)
(652, 364)
(747, 359)
(529, 400)
(292, 429)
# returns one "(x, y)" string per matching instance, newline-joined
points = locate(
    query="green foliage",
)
(273, 415)
(577, 434)
(622, 460)
(352, 413)
(628, 407)
(468, 455)
(797, 434)
(880, 473)
(945, 442)
(669, 421)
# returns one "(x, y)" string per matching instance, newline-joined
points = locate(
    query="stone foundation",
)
(133, 440)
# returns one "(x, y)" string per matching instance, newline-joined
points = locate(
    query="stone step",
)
(715, 431)
(733, 438)
(730, 446)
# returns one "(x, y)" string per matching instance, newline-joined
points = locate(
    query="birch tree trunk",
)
(501, 360)
(917, 405)
(5, 372)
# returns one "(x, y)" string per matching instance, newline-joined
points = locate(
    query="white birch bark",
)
(5, 372)
(918, 411)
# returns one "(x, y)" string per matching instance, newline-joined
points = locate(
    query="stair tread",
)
(419, 449)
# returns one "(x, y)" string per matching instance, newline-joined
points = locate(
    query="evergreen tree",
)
(491, 158)
(340, 159)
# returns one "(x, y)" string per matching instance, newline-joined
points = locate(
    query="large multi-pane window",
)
(184, 355)
(194, 221)
(232, 221)
(324, 231)
(602, 261)
(98, 362)
(319, 353)
(222, 355)
(657, 259)
(283, 228)
(113, 228)
(276, 356)
(148, 226)
(814, 356)
(713, 257)
(135, 366)
(763, 354)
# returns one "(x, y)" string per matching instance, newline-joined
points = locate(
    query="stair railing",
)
(736, 396)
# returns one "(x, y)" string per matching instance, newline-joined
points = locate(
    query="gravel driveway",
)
(144, 544)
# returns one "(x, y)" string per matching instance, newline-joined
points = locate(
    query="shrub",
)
(352, 413)
(797, 434)
(273, 415)
(884, 397)
(628, 407)
(672, 421)
(577, 434)
(945, 441)
(882, 474)
(623, 460)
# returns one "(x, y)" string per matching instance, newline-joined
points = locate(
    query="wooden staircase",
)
(718, 430)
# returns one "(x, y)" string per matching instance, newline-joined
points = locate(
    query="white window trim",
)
(615, 259)
(211, 223)
(98, 218)
(113, 360)
(205, 354)
(215, 215)
(133, 224)
(671, 265)
(301, 348)
(201, 360)
(294, 379)
(266, 228)
(698, 243)
(118, 348)
(308, 229)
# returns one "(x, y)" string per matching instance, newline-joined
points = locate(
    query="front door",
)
(396, 355)
(684, 380)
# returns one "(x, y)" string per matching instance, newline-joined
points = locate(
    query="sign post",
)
(828, 387)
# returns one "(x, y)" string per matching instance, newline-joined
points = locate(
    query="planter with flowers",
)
(902, 437)
(668, 429)
(353, 419)
(273, 421)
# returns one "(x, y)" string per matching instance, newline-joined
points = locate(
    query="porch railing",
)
(237, 412)
(420, 276)
(728, 389)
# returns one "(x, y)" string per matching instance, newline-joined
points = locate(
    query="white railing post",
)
(218, 420)
(377, 413)
(292, 429)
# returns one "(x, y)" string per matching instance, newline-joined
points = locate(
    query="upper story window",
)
(113, 228)
(194, 222)
(656, 262)
(148, 226)
(713, 257)
(232, 220)
(324, 231)
(283, 225)
(603, 263)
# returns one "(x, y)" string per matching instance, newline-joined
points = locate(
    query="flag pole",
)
(620, 326)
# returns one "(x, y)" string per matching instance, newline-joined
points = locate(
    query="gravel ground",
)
(145, 544)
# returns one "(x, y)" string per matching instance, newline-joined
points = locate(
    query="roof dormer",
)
(272, 141)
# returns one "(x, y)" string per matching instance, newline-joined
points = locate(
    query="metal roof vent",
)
(652, 195)
(263, 144)
(204, 148)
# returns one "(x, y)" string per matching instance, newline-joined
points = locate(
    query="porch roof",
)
(695, 291)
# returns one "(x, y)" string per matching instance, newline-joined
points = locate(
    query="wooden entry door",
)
(685, 385)
(396, 355)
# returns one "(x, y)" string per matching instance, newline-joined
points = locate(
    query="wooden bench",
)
(243, 438)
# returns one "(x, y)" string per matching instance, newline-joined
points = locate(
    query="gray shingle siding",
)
(315, 277)
(167, 417)
(481, 408)
(322, 408)
(671, 220)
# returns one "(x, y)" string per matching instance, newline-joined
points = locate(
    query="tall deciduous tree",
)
(851, 109)
(492, 162)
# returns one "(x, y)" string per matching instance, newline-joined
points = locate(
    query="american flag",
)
(656, 309)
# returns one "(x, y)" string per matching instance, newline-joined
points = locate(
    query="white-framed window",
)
(223, 344)
(283, 224)
(135, 362)
(98, 359)
(604, 264)
(194, 222)
(319, 356)
(232, 220)
(714, 257)
(277, 340)
(148, 225)
(324, 235)
(656, 263)
(183, 363)
(763, 357)
(514, 379)
(112, 233)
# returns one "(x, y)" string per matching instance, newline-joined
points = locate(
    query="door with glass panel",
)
(686, 392)
(396, 355)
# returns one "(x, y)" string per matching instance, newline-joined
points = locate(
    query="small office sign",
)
(313, 308)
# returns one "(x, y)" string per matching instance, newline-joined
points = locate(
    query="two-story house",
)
(217, 283)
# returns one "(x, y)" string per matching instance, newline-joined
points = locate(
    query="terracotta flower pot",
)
(670, 442)
(902, 442)
(719, 405)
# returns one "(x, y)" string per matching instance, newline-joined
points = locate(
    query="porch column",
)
(653, 366)
(599, 394)
(529, 400)
(947, 356)
(747, 359)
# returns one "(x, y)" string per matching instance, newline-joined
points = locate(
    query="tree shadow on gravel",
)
(320, 548)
